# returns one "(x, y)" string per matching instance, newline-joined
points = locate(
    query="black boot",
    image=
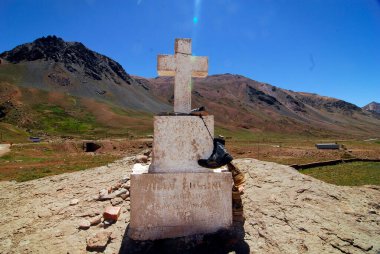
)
(219, 156)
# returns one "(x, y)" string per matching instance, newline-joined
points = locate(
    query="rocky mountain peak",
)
(74, 56)
(373, 107)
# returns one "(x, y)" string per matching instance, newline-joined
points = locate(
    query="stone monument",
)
(177, 197)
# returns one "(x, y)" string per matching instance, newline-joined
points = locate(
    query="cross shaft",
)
(183, 66)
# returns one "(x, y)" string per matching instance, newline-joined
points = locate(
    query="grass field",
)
(55, 120)
(32, 161)
(299, 150)
(348, 174)
(10, 133)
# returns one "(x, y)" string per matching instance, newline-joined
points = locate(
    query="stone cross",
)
(183, 66)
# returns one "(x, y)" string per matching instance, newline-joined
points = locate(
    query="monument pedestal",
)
(179, 142)
(168, 205)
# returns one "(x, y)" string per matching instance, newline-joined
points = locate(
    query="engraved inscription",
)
(163, 186)
(193, 185)
(175, 204)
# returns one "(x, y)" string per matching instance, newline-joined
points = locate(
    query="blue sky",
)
(329, 47)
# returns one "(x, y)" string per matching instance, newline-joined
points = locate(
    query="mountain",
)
(239, 102)
(51, 64)
(54, 87)
(373, 107)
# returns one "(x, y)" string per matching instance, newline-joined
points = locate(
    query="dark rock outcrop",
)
(74, 55)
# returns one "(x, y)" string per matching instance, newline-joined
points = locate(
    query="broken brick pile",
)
(116, 194)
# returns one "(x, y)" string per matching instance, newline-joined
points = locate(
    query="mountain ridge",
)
(236, 97)
(51, 64)
(238, 103)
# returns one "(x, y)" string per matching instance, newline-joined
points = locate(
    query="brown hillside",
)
(239, 102)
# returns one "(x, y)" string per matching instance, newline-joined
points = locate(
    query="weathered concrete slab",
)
(167, 205)
(179, 142)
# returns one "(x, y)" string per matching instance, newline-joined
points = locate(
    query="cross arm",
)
(199, 66)
(166, 65)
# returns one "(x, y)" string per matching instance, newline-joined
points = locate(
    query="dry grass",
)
(348, 174)
(298, 151)
(32, 161)
(35, 160)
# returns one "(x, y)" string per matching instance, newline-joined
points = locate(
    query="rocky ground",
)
(286, 212)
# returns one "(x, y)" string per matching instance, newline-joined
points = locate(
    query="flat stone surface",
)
(170, 205)
(179, 142)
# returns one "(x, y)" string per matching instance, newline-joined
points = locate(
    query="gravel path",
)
(286, 212)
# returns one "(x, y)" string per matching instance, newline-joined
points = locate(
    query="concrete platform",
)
(179, 142)
(167, 205)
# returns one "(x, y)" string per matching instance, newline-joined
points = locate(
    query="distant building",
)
(328, 146)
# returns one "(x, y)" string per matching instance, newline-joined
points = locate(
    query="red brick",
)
(111, 213)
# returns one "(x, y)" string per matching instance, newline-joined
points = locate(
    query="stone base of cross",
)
(178, 197)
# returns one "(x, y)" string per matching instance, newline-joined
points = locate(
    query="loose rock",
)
(124, 196)
(117, 186)
(117, 201)
(147, 152)
(103, 192)
(125, 179)
(141, 159)
(74, 201)
(99, 241)
(126, 186)
(84, 224)
(96, 220)
(113, 194)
